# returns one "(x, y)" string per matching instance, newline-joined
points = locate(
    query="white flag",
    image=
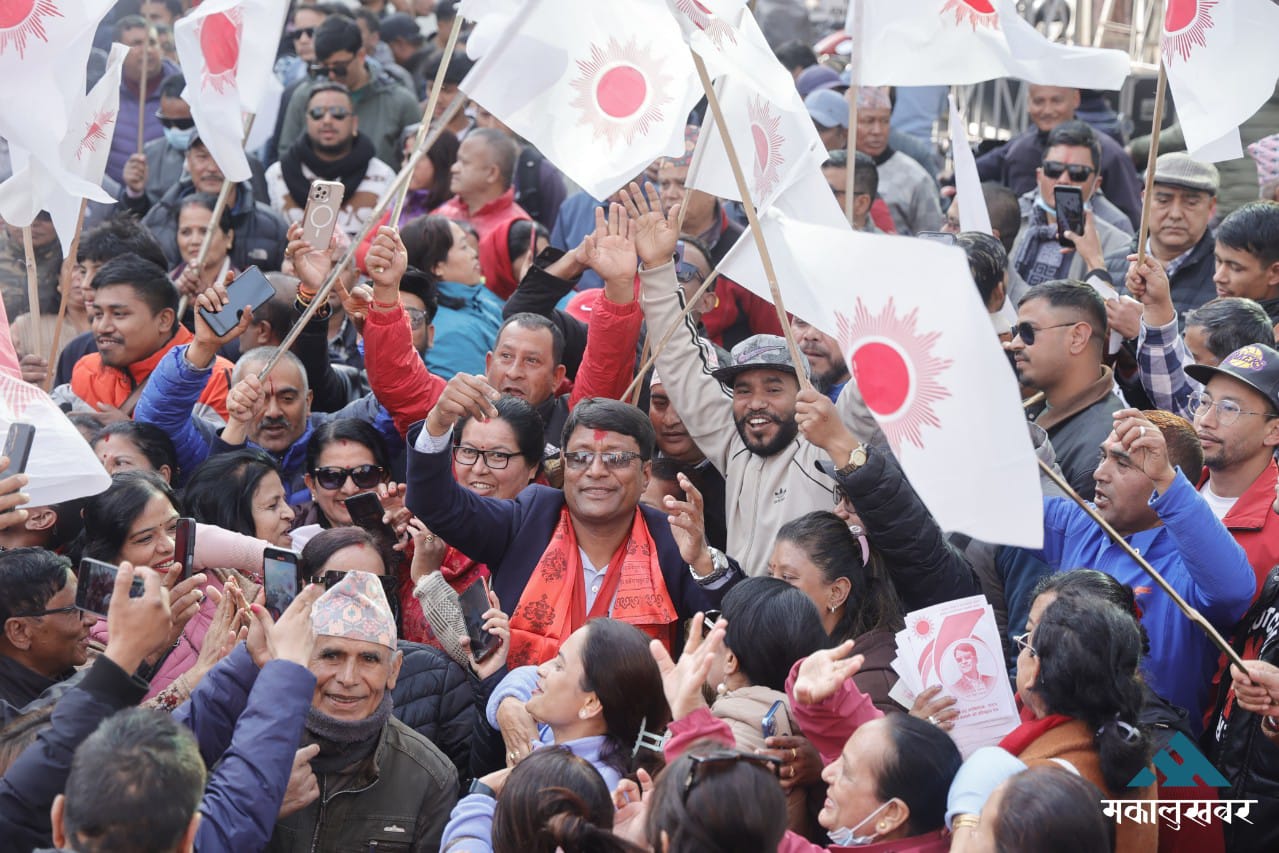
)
(1222, 66)
(227, 49)
(727, 38)
(960, 42)
(973, 215)
(601, 97)
(62, 465)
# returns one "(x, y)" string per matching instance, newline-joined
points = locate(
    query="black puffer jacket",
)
(435, 697)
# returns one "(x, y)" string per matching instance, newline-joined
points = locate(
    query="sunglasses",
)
(580, 460)
(686, 272)
(1078, 173)
(365, 476)
(1027, 332)
(337, 69)
(309, 32)
(339, 113)
(721, 759)
(176, 123)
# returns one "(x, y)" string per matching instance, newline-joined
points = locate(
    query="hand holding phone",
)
(250, 288)
(1069, 204)
(184, 546)
(323, 204)
(366, 511)
(95, 586)
(279, 579)
(475, 603)
(17, 448)
(769, 724)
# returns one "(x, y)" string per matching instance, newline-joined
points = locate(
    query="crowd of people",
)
(600, 611)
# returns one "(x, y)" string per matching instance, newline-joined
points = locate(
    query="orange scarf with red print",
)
(554, 601)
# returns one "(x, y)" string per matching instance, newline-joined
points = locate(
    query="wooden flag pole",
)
(1161, 89)
(1191, 613)
(797, 358)
(219, 207)
(651, 358)
(64, 285)
(427, 113)
(33, 291)
(375, 216)
(142, 88)
(854, 90)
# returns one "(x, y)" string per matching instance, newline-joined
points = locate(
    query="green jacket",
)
(396, 802)
(383, 106)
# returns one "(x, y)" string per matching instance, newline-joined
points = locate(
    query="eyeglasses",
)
(309, 32)
(495, 459)
(686, 272)
(365, 476)
(838, 493)
(580, 460)
(1027, 332)
(721, 759)
(1078, 173)
(339, 113)
(710, 617)
(175, 123)
(1228, 411)
(54, 612)
(417, 317)
(333, 577)
(337, 69)
(1023, 643)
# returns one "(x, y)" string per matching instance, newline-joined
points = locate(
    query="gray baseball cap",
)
(758, 351)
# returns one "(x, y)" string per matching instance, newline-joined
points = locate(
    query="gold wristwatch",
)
(856, 459)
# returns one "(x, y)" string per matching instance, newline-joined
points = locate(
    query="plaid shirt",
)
(1161, 360)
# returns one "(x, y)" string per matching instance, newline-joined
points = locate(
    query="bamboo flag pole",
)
(748, 205)
(427, 113)
(142, 87)
(651, 358)
(1191, 613)
(375, 216)
(854, 91)
(33, 291)
(64, 285)
(219, 206)
(1161, 89)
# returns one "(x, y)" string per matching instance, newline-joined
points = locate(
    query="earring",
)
(721, 689)
(581, 715)
(832, 608)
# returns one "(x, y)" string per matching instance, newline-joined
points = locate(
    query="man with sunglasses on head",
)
(332, 149)
(382, 105)
(1070, 160)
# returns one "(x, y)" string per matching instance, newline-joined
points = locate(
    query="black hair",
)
(172, 86)
(1068, 293)
(502, 149)
(220, 491)
(321, 547)
(278, 310)
(525, 423)
(129, 22)
(427, 241)
(29, 577)
(328, 86)
(208, 201)
(771, 624)
(459, 66)
(1089, 652)
(987, 261)
(153, 442)
(345, 429)
(337, 33)
(417, 283)
(369, 17)
(1097, 584)
(612, 416)
(795, 54)
(442, 154)
(1253, 228)
(1004, 211)
(918, 770)
(618, 667)
(1049, 809)
(119, 235)
(150, 282)
(1231, 323)
(1076, 134)
(528, 320)
(109, 515)
(872, 603)
(522, 234)
(134, 784)
(865, 176)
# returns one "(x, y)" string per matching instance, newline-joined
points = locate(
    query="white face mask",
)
(845, 837)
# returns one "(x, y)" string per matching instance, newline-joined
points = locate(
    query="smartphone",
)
(250, 288)
(366, 511)
(769, 724)
(17, 447)
(937, 237)
(1070, 213)
(280, 578)
(475, 602)
(95, 584)
(321, 216)
(184, 546)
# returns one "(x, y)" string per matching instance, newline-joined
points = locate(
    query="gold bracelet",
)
(963, 821)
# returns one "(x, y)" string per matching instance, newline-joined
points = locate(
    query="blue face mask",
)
(180, 139)
(845, 837)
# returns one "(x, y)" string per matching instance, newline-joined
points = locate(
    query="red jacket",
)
(94, 382)
(1253, 523)
(501, 211)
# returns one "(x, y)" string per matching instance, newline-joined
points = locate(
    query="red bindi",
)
(599, 434)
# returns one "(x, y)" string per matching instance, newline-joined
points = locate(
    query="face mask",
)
(180, 139)
(845, 837)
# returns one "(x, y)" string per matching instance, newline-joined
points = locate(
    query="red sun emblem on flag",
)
(973, 12)
(620, 91)
(923, 628)
(706, 21)
(220, 45)
(1186, 23)
(24, 19)
(95, 131)
(768, 140)
(895, 369)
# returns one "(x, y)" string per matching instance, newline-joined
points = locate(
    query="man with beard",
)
(830, 371)
(332, 149)
(769, 472)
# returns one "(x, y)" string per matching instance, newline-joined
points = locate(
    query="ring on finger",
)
(932, 719)
(794, 754)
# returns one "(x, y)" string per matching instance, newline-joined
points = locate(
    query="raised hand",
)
(245, 403)
(205, 347)
(610, 251)
(654, 233)
(1148, 282)
(824, 671)
(464, 396)
(819, 422)
(11, 498)
(386, 262)
(688, 526)
(292, 638)
(136, 626)
(311, 264)
(682, 681)
(1143, 443)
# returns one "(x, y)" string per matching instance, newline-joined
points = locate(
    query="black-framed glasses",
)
(721, 759)
(71, 608)
(175, 123)
(686, 272)
(614, 460)
(1023, 643)
(838, 493)
(365, 476)
(496, 459)
(338, 113)
(1027, 332)
(333, 577)
(1228, 411)
(1077, 171)
(337, 69)
(417, 317)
